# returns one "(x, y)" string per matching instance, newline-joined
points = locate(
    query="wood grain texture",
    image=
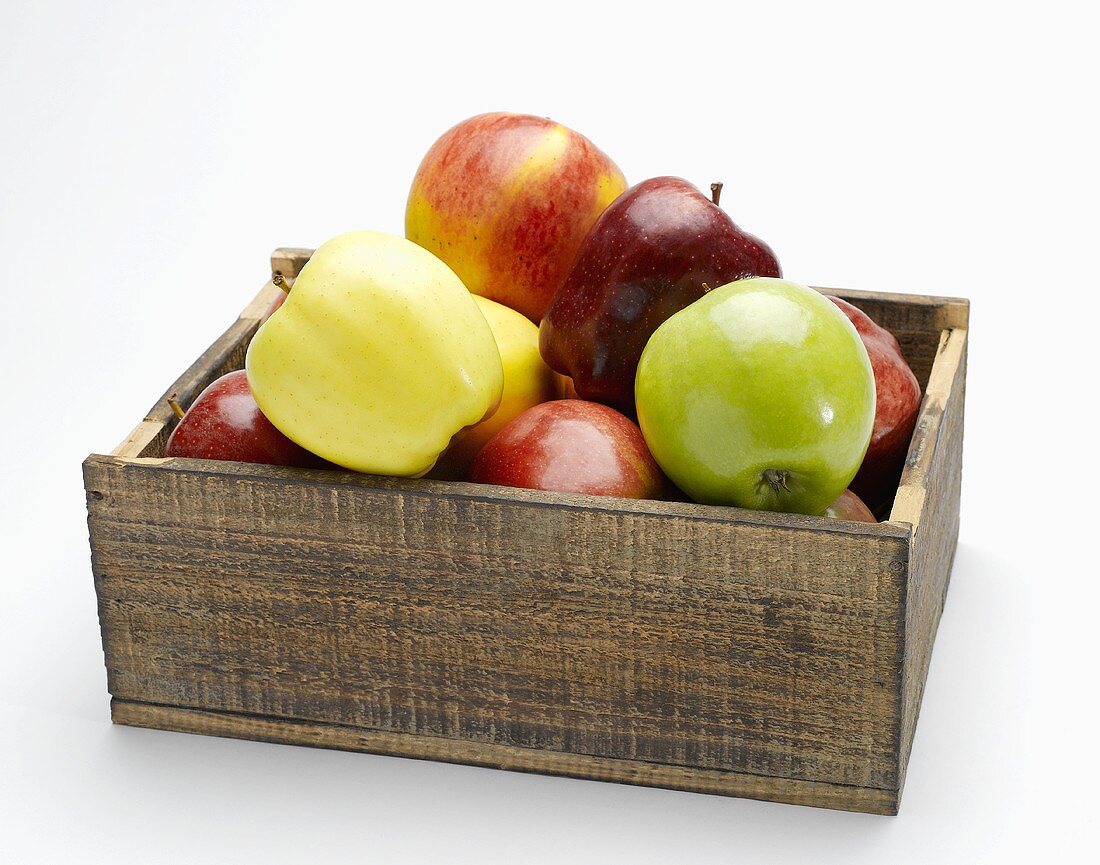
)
(929, 499)
(494, 756)
(686, 640)
(713, 649)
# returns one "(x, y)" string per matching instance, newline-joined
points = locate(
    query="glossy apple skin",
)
(898, 396)
(658, 247)
(528, 381)
(505, 200)
(225, 423)
(759, 395)
(571, 446)
(849, 506)
(377, 358)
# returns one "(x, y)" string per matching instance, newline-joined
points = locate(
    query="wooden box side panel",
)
(654, 632)
(929, 499)
(640, 772)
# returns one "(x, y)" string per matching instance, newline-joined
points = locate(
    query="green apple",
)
(760, 394)
(377, 358)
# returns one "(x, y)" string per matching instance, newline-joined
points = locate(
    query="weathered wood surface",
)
(639, 772)
(712, 649)
(661, 633)
(929, 499)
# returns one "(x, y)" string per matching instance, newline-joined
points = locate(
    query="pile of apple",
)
(544, 326)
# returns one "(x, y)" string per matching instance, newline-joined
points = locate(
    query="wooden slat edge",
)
(197, 376)
(260, 303)
(288, 261)
(507, 757)
(909, 501)
(489, 492)
(935, 539)
(138, 439)
(951, 311)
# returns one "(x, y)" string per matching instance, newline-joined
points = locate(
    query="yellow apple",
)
(377, 358)
(528, 381)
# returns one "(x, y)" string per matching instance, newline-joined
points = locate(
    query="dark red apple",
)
(849, 506)
(224, 423)
(657, 248)
(897, 404)
(571, 446)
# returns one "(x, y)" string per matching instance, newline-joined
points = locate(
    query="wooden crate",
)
(695, 647)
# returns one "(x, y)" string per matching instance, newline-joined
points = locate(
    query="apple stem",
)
(279, 280)
(715, 193)
(176, 407)
(777, 479)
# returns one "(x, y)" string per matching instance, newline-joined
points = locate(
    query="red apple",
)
(849, 506)
(505, 200)
(897, 404)
(571, 446)
(657, 248)
(224, 423)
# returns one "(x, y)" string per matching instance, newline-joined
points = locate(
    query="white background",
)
(150, 159)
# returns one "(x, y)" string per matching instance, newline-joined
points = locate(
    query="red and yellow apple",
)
(505, 200)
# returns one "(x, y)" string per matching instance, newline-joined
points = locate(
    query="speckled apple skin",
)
(377, 357)
(898, 396)
(528, 381)
(225, 423)
(759, 379)
(505, 199)
(658, 247)
(571, 446)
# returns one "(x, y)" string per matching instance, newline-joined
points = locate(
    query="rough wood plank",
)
(929, 499)
(945, 383)
(505, 495)
(666, 637)
(638, 772)
(147, 437)
(169, 615)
